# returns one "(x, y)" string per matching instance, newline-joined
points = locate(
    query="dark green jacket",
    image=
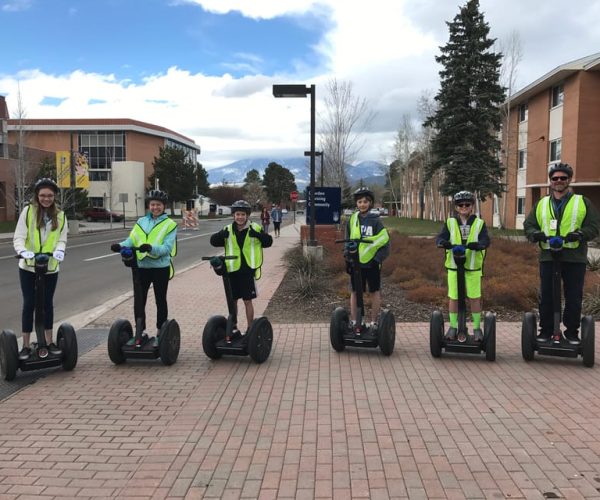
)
(590, 229)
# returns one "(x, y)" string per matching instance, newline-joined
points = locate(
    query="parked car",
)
(93, 214)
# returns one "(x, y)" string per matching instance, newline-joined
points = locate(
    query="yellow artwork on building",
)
(63, 170)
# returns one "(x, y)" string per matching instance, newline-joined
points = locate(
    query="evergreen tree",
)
(176, 173)
(202, 185)
(252, 176)
(468, 117)
(279, 182)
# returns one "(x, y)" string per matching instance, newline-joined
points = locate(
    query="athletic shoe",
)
(156, 341)
(53, 349)
(24, 354)
(451, 333)
(477, 335)
(543, 337)
(131, 342)
(572, 338)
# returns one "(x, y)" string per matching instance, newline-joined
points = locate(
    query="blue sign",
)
(328, 205)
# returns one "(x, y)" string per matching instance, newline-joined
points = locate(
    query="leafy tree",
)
(279, 182)
(176, 174)
(252, 176)
(468, 116)
(202, 185)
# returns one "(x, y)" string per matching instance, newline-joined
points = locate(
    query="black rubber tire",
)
(260, 340)
(338, 327)
(214, 330)
(588, 341)
(170, 342)
(66, 339)
(436, 333)
(528, 336)
(120, 332)
(9, 355)
(386, 333)
(489, 336)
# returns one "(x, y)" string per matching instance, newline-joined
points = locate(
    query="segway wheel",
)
(588, 341)
(260, 340)
(67, 342)
(337, 327)
(436, 333)
(386, 333)
(170, 340)
(528, 334)
(9, 355)
(214, 330)
(120, 332)
(489, 336)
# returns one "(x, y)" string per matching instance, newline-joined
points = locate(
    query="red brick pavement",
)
(308, 423)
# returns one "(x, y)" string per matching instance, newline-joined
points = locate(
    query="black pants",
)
(573, 275)
(27, 280)
(159, 278)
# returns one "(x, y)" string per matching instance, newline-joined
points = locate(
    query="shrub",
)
(591, 303)
(308, 273)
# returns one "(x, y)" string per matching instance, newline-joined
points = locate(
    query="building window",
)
(102, 148)
(99, 175)
(522, 158)
(521, 205)
(557, 95)
(555, 150)
(96, 201)
(523, 112)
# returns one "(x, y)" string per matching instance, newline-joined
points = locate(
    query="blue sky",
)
(205, 68)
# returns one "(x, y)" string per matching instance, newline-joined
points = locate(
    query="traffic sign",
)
(294, 195)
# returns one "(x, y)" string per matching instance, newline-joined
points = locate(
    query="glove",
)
(349, 267)
(444, 244)
(145, 248)
(126, 252)
(225, 232)
(253, 232)
(474, 245)
(538, 236)
(215, 262)
(351, 246)
(574, 236)
(556, 242)
(458, 250)
(26, 254)
(59, 255)
(115, 247)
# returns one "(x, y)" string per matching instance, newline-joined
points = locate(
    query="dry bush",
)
(428, 294)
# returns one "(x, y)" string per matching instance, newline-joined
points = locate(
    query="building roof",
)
(87, 124)
(554, 77)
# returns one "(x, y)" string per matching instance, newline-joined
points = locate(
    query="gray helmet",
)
(241, 206)
(156, 195)
(46, 182)
(464, 196)
(560, 167)
(362, 192)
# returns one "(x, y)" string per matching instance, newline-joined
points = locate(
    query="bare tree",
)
(254, 193)
(345, 120)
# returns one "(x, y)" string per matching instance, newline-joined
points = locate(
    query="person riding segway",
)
(561, 223)
(465, 239)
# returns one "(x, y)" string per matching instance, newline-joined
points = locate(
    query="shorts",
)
(243, 286)
(276, 225)
(371, 276)
(472, 282)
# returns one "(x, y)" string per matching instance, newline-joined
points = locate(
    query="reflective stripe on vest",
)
(366, 250)
(155, 237)
(252, 250)
(33, 241)
(572, 217)
(473, 258)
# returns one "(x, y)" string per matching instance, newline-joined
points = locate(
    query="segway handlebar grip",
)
(35, 255)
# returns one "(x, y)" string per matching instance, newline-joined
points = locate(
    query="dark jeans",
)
(573, 275)
(159, 278)
(27, 280)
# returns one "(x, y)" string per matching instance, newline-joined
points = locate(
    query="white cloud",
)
(15, 5)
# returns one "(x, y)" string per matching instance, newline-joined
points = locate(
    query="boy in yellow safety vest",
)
(244, 240)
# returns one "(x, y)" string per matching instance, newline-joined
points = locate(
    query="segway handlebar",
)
(36, 255)
(228, 257)
(355, 240)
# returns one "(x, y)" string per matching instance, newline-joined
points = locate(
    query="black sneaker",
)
(24, 354)
(53, 349)
(451, 333)
(544, 337)
(572, 338)
(477, 335)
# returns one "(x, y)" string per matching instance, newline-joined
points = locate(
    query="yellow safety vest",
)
(572, 217)
(366, 250)
(33, 242)
(473, 258)
(252, 250)
(155, 237)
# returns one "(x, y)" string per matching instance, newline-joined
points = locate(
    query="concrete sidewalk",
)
(308, 423)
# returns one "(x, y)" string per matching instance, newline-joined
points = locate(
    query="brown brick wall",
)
(587, 159)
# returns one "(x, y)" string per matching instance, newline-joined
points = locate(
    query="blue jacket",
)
(163, 251)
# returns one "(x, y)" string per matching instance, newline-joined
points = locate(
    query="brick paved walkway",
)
(308, 423)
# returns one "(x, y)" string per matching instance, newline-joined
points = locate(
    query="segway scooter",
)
(40, 356)
(119, 346)
(221, 335)
(464, 342)
(342, 333)
(557, 344)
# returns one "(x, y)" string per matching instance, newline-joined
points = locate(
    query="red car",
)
(101, 214)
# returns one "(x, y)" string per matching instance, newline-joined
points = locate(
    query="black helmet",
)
(156, 195)
(362, 192)
(560, 167)
(464, 196)
(46, 182)
(241, 206)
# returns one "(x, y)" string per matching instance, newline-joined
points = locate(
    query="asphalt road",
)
(91, 274)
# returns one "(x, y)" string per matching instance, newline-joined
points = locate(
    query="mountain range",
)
(371, 172)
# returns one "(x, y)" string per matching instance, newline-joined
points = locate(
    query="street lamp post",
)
(303, 91)
(321, 154)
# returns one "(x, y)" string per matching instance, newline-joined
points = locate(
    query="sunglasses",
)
(559, 178)
(463, 205)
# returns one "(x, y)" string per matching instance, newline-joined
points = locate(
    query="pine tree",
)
(468, 117)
